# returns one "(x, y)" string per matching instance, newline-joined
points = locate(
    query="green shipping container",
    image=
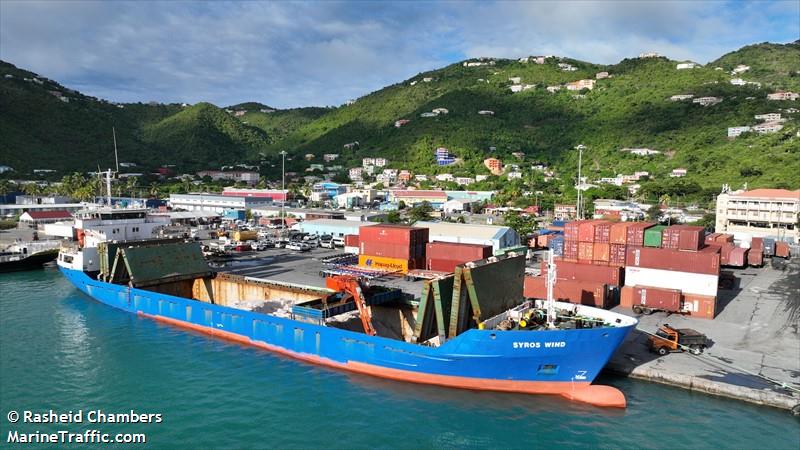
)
(652, 236)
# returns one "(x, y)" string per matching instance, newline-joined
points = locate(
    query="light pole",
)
(283, 191)
(579, 206)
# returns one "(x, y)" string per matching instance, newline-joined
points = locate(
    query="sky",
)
(286, 54)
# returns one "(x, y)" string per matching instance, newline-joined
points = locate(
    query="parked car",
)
(298, 246)
(326, 241)
(282, 243)
(338, 241)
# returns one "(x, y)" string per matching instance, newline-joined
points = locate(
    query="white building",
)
(328, 157)
(768, 127)
(497, 237)
(444, 177)
(707, 101)
(464, 181)
(770, 117)
(215, 202)
(356, 173)
(738, 82)
(677, 173)
(783, 95)
(486, 112)
(601, 75)
(649, 55)
(642, 151)
(440, 111)
(736, 131)
(581, 84)
(514, 175)
(515, 80)
(481, 177)
(741, 68)
(686, 65)
(553, 89)
(421, 177)
(760, 212)
(680, 97)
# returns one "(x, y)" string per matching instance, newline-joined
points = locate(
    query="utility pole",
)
(579, 206)
(283, 191)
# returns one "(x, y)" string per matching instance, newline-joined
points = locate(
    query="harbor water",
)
(62, 351)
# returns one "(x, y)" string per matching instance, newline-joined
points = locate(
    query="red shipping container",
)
(657, 298)
(755, 257)
(396, 251)
(711, 238)
(636, 233)
(626, 296)
(578, 292)
(570, 249)
(586, 230)
(566, 270)
(618, 233)
(723, 238)
(571, 231)
(706, 261)
(585, 250)
(670, 237)
(781, 249)
(701, 306)
(601, 252)
(393, 234)
(602, 231)
(442, 265)
(725, 252)
(737, 257)
(351, 240)
(757, 243)
(617, 253)
(457, 252)
(691, 237)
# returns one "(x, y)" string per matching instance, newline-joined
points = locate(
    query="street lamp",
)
(579, 206)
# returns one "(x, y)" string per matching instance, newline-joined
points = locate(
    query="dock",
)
(754, 336)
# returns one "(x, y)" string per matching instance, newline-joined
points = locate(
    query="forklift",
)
(668, 340)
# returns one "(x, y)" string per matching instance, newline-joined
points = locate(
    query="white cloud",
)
(322, 53)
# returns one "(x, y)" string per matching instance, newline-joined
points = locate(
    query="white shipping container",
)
(690, 283)
(64, 230)
(353, 250)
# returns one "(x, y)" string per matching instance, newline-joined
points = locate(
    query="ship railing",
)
(514, 313)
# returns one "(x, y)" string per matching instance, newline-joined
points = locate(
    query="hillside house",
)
(738, 82)
(707, 101)
(686, 65)
(736, 131)
(239, 176)
(521, 87)
(741, 68)
(494, 165)
(769, 117)
(428, 114)
(486, 112)
(420, 177)
(356, 174)
(328, 157)
(351, 145)
(309, 156)
(404, 176)
(783, 95)
(567, 67)
(581, 84)
(481, 177)
(443, 157)
(400, 123)
(427, 80)
(314, 167)
(601, 75)
(681, 97)
(444, 177)
(440, 111)
(553, 89)
(515, 80)
(239, 113)
(678, 173)
(518, 155)
(464, 181)
(514, 175)
(649, 55)
(641, 151)
(768, 127)
(565, 212)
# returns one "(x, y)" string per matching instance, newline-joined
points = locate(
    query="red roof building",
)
(45, 216)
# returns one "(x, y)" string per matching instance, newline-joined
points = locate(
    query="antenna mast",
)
(551, 282)
(116, 157)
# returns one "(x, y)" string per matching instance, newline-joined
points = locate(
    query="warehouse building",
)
(496, 236)
(333, 227)
(215, 202)
(760, 212)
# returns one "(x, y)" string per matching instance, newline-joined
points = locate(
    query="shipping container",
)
(723, 238)
(397, 251)
(683, 237)
(652, 236)
(737, 257)
(626, 296)
(445, 256)
(386, 264)
(706, 261)
(570, 249)
(636, 233)
(769, 247)
(578, 292)
(755, 258)
(652, 298)
(571, 231)
(617, 254)
(351, 240)
(782, 249)
(587, 230)
(757, 244)
(618, 233)
(601, 252)
(602, 231)
(700, 306)
(393, 234)
(557, 245)
(585, 251)
(566, 270)
(710, 238)
(693, 283)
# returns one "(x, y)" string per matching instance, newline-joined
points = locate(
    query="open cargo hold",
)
(706, 261)
(445, 256)
(693, 283)
(636, 232)
(781, 249)
(586, 272)
(683, 237)
(652, 236)
(142, 265)
(589, 293)
(433, 315)
(484, 289)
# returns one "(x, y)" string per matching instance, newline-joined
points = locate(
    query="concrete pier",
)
(755, 334)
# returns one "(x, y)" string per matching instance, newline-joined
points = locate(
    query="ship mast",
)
(108, 172)
(551, 282)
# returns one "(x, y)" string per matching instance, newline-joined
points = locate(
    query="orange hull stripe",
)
(578, 391)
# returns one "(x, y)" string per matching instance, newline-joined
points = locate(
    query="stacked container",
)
(652, 236)
(445, 256)
(589, 293)
(683, 237)
(392, 247)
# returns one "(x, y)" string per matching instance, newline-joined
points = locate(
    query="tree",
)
(523, 224)
(393, 217)
(420, 212)
(654, 213)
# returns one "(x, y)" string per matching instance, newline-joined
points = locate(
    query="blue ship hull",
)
(561, 362)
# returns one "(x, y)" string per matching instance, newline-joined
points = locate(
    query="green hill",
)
(631, 108)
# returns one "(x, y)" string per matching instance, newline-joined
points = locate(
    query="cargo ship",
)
(28, 256)
(471, 330)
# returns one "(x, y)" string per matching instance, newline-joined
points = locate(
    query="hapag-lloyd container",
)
(589, 293)
(692, 283)
(706, 261)
(566, 270)
(636, 233)
(387, 264)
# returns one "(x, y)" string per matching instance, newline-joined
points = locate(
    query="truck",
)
(668, 339)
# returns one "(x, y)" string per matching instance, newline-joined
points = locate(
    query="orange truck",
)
(668, 340)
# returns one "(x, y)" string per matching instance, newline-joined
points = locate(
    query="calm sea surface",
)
(61, 350)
